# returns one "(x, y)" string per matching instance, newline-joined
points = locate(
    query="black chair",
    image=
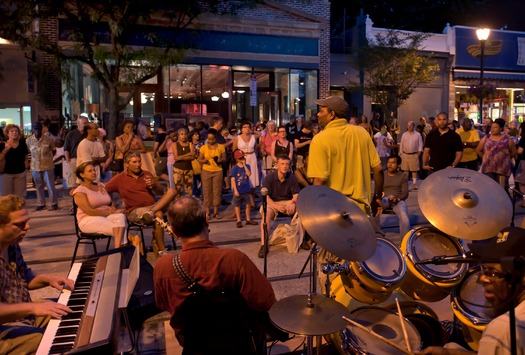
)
(86, 238)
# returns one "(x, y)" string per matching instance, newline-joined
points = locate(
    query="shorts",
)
(136, 216)
(275, 212)
(242, 198)
(410, 162)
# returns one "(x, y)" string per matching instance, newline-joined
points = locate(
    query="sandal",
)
(250, 222)
(217, 216)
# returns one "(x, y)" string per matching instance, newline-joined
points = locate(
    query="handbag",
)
(197, 168)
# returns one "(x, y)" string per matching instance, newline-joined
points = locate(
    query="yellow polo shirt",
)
(469, 154)
(344, 155)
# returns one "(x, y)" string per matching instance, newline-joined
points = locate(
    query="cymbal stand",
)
(265, 232)
(312, 259)
(514, 278)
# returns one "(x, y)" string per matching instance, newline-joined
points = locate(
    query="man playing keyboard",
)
(22, 321)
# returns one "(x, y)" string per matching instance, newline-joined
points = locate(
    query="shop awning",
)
(474, 74)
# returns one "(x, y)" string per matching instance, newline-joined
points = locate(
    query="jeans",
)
(47, 177)
(401, 210)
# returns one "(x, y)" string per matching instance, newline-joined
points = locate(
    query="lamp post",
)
(483, 35)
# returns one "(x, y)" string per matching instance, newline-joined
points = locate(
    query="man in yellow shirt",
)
(469, 139)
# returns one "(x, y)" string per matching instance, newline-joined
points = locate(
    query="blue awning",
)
(474, 74)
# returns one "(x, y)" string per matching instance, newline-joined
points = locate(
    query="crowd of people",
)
(202, 162)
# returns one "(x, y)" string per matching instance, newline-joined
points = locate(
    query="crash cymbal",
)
(465, 204)
(296, 314)
(336, 223)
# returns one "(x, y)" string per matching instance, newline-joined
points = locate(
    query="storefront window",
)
(21, 116)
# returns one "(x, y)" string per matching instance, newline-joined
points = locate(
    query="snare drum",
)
(372, 281)
(471, 307)
(430, 282)
(383, 322)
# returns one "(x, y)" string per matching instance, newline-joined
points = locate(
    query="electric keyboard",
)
(93, 323)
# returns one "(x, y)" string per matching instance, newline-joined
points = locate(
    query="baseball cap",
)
(510, 241)
(336, 104)
(238, 154)
(84, 114)
(37, 125)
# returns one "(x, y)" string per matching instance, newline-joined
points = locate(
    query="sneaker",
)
(251, 223)
(262, 251)
(239, 224)
(40, 208)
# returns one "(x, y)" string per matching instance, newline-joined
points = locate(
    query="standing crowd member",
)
(216, 125)
(267, 140)
(197, 181)
(395, 189)
(497, 150)
(90, 149)
(161, 156)
(96, 212)
(109, 151)
(470, 140)
(211, 157)
(241, 186)
(247, 142)
(42, 167)
(283, 189)
(22, 321)
(443, 146)
(410, 149)
(14, 151)
(497, 278)
(71, 143)
(213, 269)
(183, 154)
(302, 142)
(281, 146)
(138, 188)
(384, 144)
(128, 141)
(291, 128)
(341, 157)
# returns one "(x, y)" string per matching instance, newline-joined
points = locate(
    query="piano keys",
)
(94, 321)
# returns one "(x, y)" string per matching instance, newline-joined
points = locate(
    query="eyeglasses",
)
(491, 273)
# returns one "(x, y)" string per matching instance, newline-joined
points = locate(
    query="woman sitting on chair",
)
(96, 213)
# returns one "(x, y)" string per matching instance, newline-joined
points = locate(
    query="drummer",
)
(498, 291)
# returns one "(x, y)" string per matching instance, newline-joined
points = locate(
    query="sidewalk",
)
(48, 248)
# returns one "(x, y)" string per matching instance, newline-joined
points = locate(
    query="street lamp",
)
(483, 35)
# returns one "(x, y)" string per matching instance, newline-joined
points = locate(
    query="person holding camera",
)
(211, 156)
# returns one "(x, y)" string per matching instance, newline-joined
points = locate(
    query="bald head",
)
(187, 217)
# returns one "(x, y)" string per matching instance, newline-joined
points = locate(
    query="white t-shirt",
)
(496, 337)
(87, 150)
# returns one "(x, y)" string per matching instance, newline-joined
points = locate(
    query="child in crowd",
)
(240, 181)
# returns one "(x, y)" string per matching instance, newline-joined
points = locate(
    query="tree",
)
(100, 33)
(392, 67)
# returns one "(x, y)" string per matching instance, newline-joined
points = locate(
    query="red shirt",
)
(133, 191)
(212, 268)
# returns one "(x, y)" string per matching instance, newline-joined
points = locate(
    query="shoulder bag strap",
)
(191, 284)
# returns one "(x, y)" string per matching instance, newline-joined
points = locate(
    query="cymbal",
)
(465, 204)
(294, 315)
(336, 223)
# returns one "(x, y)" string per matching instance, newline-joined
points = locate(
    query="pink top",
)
(99, 200)
(171, 158)
(268, 139)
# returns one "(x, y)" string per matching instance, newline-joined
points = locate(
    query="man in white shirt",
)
(91, 150)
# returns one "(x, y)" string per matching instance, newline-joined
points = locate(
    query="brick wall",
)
(52, 88)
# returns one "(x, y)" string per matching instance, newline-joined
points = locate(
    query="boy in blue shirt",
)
(240, 182)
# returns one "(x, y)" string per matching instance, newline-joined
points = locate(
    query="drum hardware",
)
(514, 195)
(464, 203)
(336, 223)
(466, 258)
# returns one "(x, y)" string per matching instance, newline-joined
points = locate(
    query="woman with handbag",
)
(183, 154)
(195, 139)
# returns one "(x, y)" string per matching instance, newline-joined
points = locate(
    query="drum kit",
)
(428, 266)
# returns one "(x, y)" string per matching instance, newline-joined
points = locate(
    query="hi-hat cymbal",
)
(465, 204)
(295, 314)
(336, 223)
